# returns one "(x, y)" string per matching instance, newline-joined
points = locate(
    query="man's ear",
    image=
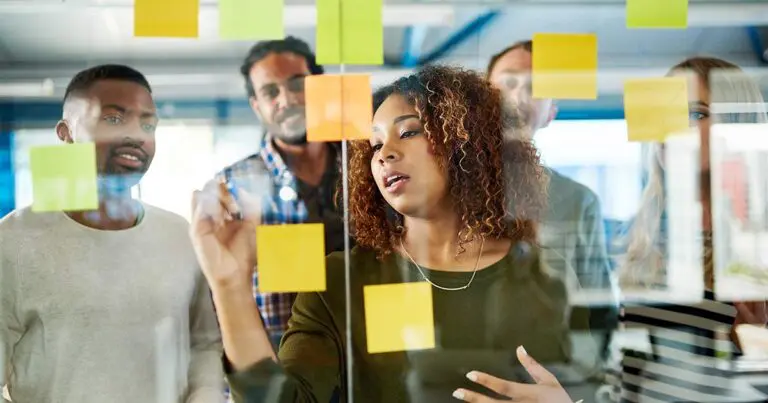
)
(64, 131)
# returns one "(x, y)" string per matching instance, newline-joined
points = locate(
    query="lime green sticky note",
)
(251, 19)
(291, 257)
(166, 18)
(564, 66)
(657, 13)
(328, 32)
(350, 32)
(64, 178)
(399, 317)
(655, 107)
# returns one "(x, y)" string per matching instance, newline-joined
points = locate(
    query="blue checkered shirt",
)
(265, 174)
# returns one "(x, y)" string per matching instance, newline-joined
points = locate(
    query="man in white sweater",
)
(106, 305)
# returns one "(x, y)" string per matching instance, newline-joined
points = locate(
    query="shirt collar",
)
(272, 158)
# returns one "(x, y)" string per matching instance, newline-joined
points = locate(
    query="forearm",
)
(243, 335)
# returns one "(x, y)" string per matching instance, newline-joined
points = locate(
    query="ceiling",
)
(45, 39)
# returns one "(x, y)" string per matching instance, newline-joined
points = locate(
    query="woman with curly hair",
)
(429, 203)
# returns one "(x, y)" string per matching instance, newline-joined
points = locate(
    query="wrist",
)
(232, 287)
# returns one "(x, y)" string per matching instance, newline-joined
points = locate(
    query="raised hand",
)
(223, 232)
(546, 389)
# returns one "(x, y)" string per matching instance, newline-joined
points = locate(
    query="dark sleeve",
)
(594, 271)
(593, 264)
(310, 360)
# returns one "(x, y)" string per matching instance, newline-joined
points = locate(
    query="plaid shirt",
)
(265, 174)
(286, 200)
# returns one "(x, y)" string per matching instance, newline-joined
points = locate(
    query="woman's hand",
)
(547, 388)
(751, 313)
(223, 233)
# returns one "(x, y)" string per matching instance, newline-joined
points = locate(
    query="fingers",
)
(201, 223)
(227, 200)
(215, 202)
(751, 312)
(500, 386)
(537, 372)
(470, 396)
(744, 314)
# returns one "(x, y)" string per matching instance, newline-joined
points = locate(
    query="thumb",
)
(243, 246)
(537, 372)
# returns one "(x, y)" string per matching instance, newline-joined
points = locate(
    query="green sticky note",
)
(328, 32)
(64, 178)
(657, 14)
(350, 32)
(251, 19)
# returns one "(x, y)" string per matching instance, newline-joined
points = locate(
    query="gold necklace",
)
(424, 276)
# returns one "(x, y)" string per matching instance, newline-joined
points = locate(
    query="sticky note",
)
(655, 107)
(251, 19)
(166, 18)
(399, 317)
(339, 107)
(290, 257)
(64, 178)
(350, 32)
(564, 66)
(657, 13)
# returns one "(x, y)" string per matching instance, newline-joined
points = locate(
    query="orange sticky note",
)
(339, 107)
(399, 317)
(166, 18)
(654, 108)
(291, 257)
(564, 66)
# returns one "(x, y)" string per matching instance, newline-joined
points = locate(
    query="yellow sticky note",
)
(565, 66)
(399, 317)
(655, 107)
(291, 257)
(251, 19)
(339, 107)
(64, 178)
(350, 32)
(166, 18)
(657, 13)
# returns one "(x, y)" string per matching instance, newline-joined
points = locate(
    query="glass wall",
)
(460, 234)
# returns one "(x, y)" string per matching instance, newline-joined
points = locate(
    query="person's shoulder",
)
(561, 181)
(561, 184)
(359, 257)
(532, 257)
(362, 262)
(25, 219)
(250, 164)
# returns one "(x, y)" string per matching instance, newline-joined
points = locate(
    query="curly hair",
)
(497, 186)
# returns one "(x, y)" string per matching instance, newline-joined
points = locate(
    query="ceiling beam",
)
(470, 29)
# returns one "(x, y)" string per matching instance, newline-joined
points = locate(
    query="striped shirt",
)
(686, 351)
(689, 355)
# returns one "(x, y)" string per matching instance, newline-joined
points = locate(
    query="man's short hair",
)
(263, 49)
(83, 80)
(527, 45)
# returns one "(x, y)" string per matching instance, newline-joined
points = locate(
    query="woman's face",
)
(698, 114)
(403, 164)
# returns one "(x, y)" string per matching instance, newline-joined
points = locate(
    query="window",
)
(597, 154)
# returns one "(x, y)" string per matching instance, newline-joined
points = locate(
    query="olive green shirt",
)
(510, 303)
